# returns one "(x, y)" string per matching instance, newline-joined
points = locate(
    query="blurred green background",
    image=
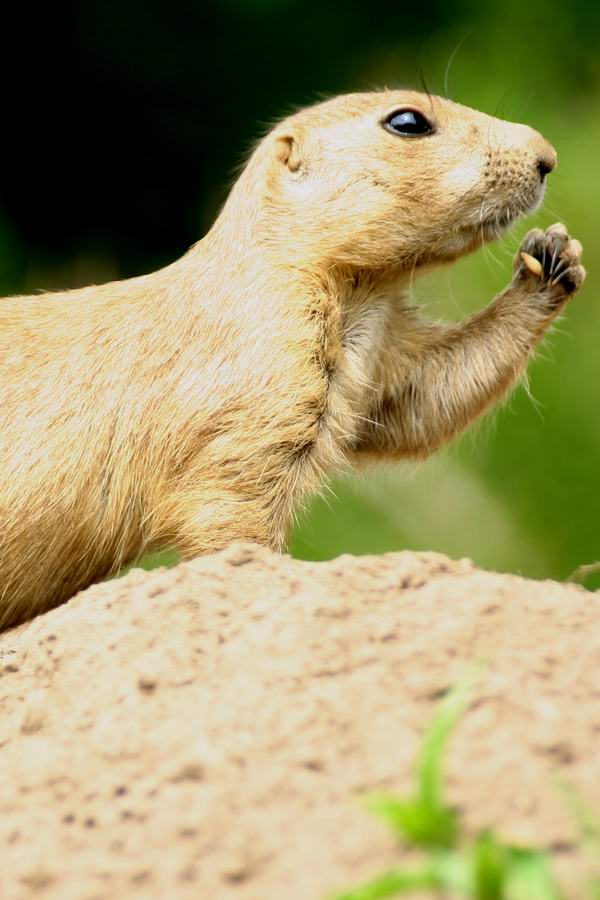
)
(125, 121)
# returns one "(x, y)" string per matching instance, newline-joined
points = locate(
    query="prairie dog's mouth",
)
(488, 228)
(496, 226)
(493, 225)
(482, 229)
(478, 228)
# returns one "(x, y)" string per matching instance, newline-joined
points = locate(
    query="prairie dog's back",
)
(108, 393)
(79, 422)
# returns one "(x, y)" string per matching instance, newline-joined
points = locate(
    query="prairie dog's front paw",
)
(549, 263)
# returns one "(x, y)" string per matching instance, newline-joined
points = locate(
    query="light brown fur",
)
(199, 404)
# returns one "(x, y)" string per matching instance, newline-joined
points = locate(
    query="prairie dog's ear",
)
(289, 150)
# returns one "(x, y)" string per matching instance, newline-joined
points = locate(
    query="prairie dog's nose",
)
(528, 143)
(546, 158)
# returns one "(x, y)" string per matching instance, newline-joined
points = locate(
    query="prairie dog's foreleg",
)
(439, 378)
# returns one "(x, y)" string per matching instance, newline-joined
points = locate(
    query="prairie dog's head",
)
(395, 179)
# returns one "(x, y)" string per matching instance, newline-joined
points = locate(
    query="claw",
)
(558, 229)
(553, 258)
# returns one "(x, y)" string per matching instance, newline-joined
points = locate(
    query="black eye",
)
(408, 123)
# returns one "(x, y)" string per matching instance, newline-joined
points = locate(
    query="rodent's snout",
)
(546, 159)
(525, 147)
(537, 150)
(518, 162)
(545, 165)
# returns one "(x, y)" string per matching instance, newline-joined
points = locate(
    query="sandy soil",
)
(207, 731)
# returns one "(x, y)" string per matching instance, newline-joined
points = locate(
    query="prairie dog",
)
(199, 404)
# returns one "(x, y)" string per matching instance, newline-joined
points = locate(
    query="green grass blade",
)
(429, 766)
(529, 876)
(391, 884)
(418, 824)
(452, 871)
(489, 863)
(424, 820)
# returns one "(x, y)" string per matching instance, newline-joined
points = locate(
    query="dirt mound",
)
(206, 731)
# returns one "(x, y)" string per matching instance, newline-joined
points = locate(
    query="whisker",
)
(451, 59)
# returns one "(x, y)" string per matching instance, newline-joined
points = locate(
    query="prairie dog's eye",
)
(408, 123)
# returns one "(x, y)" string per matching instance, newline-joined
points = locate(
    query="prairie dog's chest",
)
(353, 383)
(363, 335)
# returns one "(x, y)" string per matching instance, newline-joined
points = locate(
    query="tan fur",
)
(199, 404)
